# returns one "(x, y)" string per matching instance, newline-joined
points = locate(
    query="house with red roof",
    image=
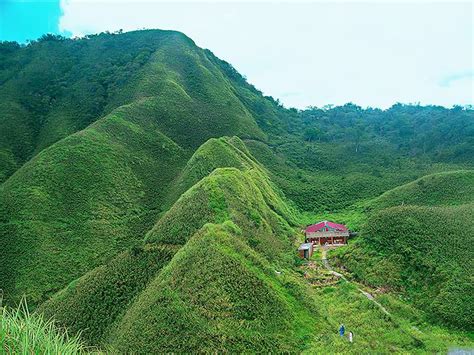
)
(327, 233)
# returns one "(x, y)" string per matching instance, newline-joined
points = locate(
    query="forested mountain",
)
(151, 199)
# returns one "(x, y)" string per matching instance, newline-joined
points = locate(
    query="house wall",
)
(328, 240)
(327, 234)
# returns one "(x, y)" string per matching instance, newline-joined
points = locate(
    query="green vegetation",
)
(442, 189)
(79, 202)
(221, 287)
(99, 190)
(92, 304)
(216, 295)
(151, 201)
(246, 198)
(404, 331)
(25, 333)
(420, 250)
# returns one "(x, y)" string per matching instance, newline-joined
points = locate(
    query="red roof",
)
(316, 227)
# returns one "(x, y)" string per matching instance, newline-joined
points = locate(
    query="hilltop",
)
(100, 188)
(207, 266)
(450, 188)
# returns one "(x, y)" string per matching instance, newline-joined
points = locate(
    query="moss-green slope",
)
(419, 250)
(91, 305)
(219, 292)
(441, 189)
(215, 153)
(216, 295)
(53, 88)
(243, 197)
(79, 202)
(93, 193)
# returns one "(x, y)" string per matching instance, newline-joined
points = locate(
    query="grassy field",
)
(405, 330)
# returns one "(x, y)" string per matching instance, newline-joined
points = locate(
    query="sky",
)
(305, 53)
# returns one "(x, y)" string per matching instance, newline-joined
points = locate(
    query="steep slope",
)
(215, 153)
(422, 251)
(93, 304)
(79, 202)
(215, 295)
(90, 195)
(220, 291)
(229, 194)
(55, 87)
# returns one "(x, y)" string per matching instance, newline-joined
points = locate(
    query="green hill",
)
(219, 293)
(215, 153)
(95, 192)
(150, 201)
(91, 305)
(420, 248)
(221, 286)
(79, 202)
(441, 189)
(53, 88)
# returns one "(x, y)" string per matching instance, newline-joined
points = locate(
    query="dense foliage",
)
(220, 289)
(440, 133)
(337, 156)
(420, 250)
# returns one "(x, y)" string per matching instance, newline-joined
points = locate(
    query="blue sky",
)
(24, 20)
(304, 52)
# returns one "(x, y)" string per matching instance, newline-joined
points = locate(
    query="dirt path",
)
(335, 273)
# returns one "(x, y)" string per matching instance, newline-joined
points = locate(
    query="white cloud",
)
(314, 53)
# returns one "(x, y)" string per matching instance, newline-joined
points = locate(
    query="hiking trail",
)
(335, 273)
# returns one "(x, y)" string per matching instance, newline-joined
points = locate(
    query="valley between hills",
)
(152, 201)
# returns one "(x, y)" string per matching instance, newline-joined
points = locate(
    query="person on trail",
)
(350, 337)
(341, 330)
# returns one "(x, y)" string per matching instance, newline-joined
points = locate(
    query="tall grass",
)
(22, 332)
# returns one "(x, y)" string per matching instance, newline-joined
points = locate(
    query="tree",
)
(312, 134)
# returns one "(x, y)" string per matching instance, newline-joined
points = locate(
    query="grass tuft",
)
(22, 332)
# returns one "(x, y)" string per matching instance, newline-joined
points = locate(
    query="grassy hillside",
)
(221, 286)
(441, 189)
(215, 153)
(422, 251)
(96, 192)
(91, 305)
(222, 295)
(55, 87)
(150, 199)
(79, 202)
